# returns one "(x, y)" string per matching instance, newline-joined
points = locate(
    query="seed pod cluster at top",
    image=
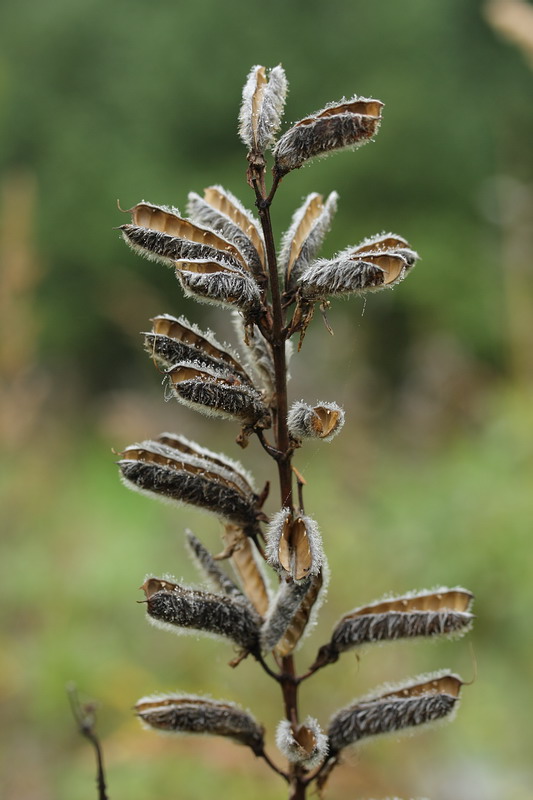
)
(263, 101)
(441, 612)
(209, 267)
(174, 469)
(392, 709)
(188, 713)
(347, 123)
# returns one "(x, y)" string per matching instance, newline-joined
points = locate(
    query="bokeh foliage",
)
(430, 482)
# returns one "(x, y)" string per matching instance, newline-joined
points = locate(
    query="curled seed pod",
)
(167, 474)
(189, 713)
(210, 568)
(215, 283)
(441, 612)
(294, 545)
(223, 212)
(282, 611)
(214, 393)
(174, 607)
(172, 340)
(349, 123)
(175, 233)
(263, 101)
(390, 243)
(351, 273)
(307, 745)
(247, 566)
(302, 241)
(232, 469)
(323, 421)
(306, 614)
(420, 701)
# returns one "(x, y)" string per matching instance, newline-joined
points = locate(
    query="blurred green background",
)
(431, 480)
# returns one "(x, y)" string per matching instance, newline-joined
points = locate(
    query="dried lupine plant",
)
(224, 255)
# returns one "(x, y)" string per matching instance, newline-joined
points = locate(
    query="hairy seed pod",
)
(305, 616)
(282, 611)
(352, 273)
(263, 101)
(210, 568)
(224, 213)
(247, 566)
(420, 701)
(441, 612)
(294, 545)
(172, 340)
(188, 713)
(213, 283)
(391, 244)
(231, 469)
(349, 123)
(302, 241)
(167, 474)
(157, 219)
(214, 393)
(167, 249)
(323, 421)
(174, 607)
(306, 746)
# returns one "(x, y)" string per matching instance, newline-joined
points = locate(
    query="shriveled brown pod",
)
(294, 545)
(306, 745)
(214, 393)
(178, 608)
(248, 568)
(422, 700)
(441, 612)
(188, 713)
(323, 421)
(305, 615)
(176, 339)
(348, 123)
(302, 241)
(162, 472)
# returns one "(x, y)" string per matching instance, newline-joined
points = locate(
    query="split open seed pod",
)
(187, 713)
(178, 608)
(216, 393)
(294, 545)
(306, 746)
(323, 421)
(221, 211)
(441, 612)
(248, 567)
(172, 340)
(169, 474)
(346, 124)
(393, 709)
(263, 101)
(302, 241)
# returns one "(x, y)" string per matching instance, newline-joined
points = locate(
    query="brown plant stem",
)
(278, 335)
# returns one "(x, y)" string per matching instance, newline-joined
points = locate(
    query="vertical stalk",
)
(289, 685)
